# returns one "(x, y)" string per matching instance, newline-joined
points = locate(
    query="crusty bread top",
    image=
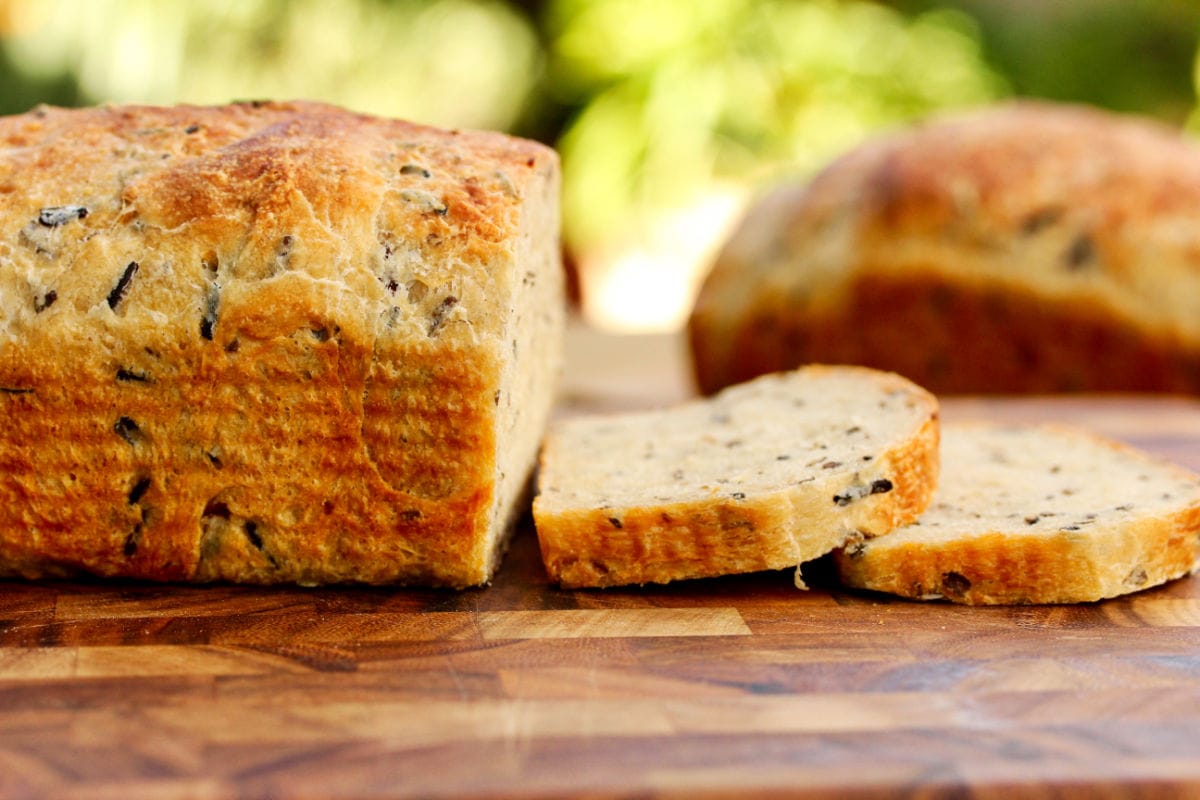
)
(1041, 514)
(1067, 201)
(378, 208)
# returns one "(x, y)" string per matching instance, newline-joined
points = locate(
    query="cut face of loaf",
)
(1037, 515)
(765, 475)
(270, 343)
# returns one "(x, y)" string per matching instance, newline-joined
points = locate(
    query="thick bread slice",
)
(1037, 515)
(765, 475)
(270, 342)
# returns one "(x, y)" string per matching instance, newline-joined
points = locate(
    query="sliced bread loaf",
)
(1043, 514)
(764, 475)
(270, 343)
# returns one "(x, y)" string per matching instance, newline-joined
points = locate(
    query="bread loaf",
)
(270, 342)
(765, 475)
(1026, 247)
(1039, 514)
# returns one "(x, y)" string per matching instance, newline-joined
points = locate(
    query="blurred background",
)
(669, 114)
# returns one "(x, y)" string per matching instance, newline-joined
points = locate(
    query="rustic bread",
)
(1040, 514)
(270, 342)
(1025, 247)
(765, 475)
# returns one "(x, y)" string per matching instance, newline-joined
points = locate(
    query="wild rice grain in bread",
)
(765, 475)
(1043, 514)
(270, 342)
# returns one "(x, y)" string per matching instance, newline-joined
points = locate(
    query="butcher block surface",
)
(740, 686)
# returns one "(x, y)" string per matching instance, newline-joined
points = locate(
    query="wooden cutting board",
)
(741, 685)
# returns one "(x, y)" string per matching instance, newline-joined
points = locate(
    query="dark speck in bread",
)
(45, 301)
(53, 216)
(438, 318)
(1041, 219)
(128, 430)
(1081, 253)
(122, 285)
(132, 375)
(139, 489)
(955, 584)
(251, 529)
(208, 319)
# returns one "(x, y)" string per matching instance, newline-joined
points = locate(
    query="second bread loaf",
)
(1028, 247)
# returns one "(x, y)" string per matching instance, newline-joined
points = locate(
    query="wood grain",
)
(738, 686)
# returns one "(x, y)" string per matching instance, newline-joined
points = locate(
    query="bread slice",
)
(765, 475)
(1044, 514)
(271, 342)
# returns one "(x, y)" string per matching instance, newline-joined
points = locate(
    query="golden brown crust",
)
(999, 569)
(996, 251)
(666, 543)
(957, 338)
(918, 466)
(270, 348)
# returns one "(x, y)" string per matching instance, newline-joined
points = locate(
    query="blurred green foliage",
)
(450, 62)
(677, 95)
(1127, 55)
(654, 104)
